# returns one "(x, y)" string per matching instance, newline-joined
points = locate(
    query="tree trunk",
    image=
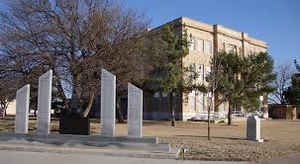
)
(161, 106)
(173, 117)
(34, 113)
(119, 113)
(230, 113)
(208, 123)
(87, 110)
(171, 109)
(63, 96)
(61, 92)
(216, 102)
(2, 113)
(3, 108)
(76, 95)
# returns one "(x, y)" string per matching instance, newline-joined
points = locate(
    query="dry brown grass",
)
(282, 137)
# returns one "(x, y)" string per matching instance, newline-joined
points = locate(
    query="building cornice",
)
(219, 29)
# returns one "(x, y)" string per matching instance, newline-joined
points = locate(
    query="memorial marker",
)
(108, 103)
(253, 129)
(22, 110)
(135, 111)
(44, 103)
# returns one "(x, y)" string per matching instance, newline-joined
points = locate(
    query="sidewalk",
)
(80, 149)
(147, 147)
(17, 157)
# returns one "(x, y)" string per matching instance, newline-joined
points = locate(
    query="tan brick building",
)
(205, 40)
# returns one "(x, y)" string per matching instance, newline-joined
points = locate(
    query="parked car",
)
(238, 114)
(255, 113)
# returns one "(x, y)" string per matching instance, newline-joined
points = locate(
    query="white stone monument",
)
(108, 103)
(22, 110)
(253, 129)
(135, 112)
(44, 103)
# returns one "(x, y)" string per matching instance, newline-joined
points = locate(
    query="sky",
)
(275, 21)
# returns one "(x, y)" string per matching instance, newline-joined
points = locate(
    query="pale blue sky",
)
(275, 21)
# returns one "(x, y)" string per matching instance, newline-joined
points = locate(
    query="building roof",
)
(220, 29)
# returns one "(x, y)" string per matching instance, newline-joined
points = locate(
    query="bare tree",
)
(283, 81)
(7, 93)
(74, 38)
(211, 88)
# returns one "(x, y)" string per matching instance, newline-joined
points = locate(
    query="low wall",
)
(287, 112)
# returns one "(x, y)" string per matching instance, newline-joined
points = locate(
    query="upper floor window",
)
(230, 48)
(241, 51)
(200, 45)
(208, 47)
(192, 69)
(201, 72)
(192, 43)
(208, 71)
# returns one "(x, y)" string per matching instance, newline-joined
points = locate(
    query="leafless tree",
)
(74, 38)
(284, 73)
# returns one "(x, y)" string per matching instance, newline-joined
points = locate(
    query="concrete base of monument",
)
(145, 144)
(257, 140)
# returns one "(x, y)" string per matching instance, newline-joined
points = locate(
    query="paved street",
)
(18, 157)
(291, 159)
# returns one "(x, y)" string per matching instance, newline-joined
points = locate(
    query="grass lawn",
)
(282, 137)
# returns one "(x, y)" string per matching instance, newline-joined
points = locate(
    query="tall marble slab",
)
(44, 103)
(108, 103)
(22, 110)
(253, 129)
(135, 112)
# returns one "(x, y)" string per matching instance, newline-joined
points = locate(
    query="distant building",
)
(11, 108)
(205, 40)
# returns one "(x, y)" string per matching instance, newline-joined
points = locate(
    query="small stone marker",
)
(108, 103)
(253, 129)
(135, 111)
(22, 110)
(44, 103)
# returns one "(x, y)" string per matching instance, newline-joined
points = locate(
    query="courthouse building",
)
(205, 40)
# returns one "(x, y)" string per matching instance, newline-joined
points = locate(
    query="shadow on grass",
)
(160, 122)
(235, 125)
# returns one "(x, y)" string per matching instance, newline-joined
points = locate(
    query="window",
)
(201, 72)
(204, 101)
(251, 51)
(201, 101)
(192, 100)
(231, 48)
(208, 70)
(192, 67)
(200, 45)
(193, 71)
(192, 43)
(208, 47)
(241, 51)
